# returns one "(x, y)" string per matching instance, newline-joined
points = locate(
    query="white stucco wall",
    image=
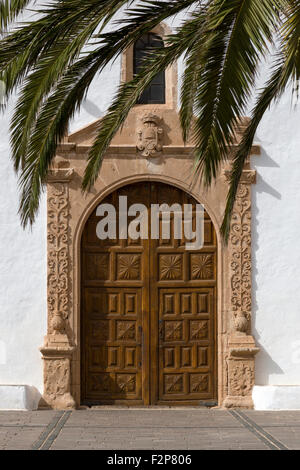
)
(22, 281)
(276, 247)
(276, 251)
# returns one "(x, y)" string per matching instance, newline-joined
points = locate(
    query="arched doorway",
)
(148, 312)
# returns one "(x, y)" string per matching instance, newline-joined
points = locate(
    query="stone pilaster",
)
(241, 344)
(57, 349)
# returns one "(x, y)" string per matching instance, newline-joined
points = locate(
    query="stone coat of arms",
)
(149, 136)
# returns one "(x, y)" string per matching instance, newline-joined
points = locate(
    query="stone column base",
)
(238, 402)
(242, 351)
(57, 354)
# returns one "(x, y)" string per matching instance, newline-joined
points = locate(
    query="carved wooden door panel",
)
(148, 312)
(183, 287)
(114, 314)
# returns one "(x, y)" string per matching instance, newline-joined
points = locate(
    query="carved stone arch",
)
(139, 178)
(68, 210)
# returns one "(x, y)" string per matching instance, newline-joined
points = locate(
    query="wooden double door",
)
(148, 312)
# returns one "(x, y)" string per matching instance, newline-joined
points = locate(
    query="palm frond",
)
(193, 69)
(272, 91)
(48, 70)
(50, 128)
(57, 27)
(10, 9)
(31, 139)
(290, 33)
(286, 70)
(55, 57)
(240, 32)
(129, 92)
(52, 120)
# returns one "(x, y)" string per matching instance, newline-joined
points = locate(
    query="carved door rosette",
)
(241, 344)
(57, 350)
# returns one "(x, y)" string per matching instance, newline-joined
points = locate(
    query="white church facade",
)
(148, 322)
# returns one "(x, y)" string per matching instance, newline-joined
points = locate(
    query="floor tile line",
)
(99, 426)
(262, 435)
(288, 426)
(34, 426)
(56, 431)
(49, 428)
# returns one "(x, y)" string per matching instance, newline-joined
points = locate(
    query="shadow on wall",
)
(92, 109)
(270, 367)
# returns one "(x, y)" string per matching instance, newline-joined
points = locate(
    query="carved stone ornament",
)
(57, 351)
(240, 369)
(241, 379)
(67, 216)
(58, 256)
(149, 136)
(57, 378)
(242, 348)
(240, 240)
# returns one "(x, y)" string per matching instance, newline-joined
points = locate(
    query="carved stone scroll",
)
(58, 275)
(240, 239)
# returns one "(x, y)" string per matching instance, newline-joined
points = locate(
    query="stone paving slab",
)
(30, 418)
(274, 418)
(153, 417)
(288, 435)
(19, 437)
(150, 429)
(157, 438)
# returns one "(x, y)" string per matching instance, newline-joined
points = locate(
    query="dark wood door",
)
(148, 312)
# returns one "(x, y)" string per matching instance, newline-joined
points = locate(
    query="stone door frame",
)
(67, 212)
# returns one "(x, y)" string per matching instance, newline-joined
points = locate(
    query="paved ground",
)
(169, 429)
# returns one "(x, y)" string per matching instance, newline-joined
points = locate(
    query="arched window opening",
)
(155, 93)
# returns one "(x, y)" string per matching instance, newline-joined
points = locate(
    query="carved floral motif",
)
(126, 383)
(99, 266)
(129, 266)
(126, 330)
(58, 256)
(173, 383)
(101, 382)
(57, 377)
(199, 329)
(100, 330)
(173, 330)
(240, 239)
(199, 383)
(241, 378)
(202, 266)
(171, 266)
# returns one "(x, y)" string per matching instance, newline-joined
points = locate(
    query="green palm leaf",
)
(52, 60)
(129, 92)
(239, 35)
(52, 125)
(10, 9)
(286, 70)
(35, 141)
